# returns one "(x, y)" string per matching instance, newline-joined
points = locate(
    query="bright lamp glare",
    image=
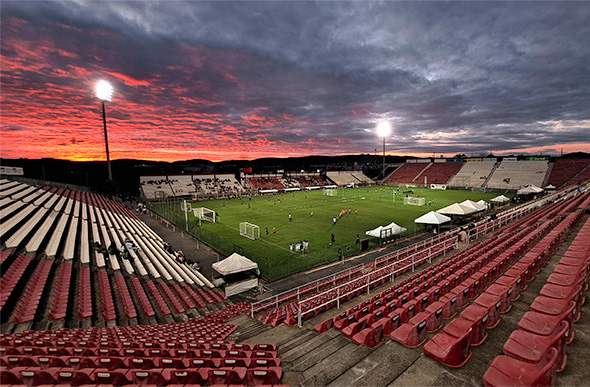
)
(383, 129)
(104, 91)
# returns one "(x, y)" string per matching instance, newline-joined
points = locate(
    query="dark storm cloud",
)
(451, 77)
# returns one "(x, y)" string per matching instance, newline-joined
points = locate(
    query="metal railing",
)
(389, 272)
(299, 291)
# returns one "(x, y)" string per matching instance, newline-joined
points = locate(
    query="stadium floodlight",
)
(104, 93)
(383, 130)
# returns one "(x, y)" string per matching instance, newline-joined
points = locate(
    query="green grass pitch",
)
(370, 207)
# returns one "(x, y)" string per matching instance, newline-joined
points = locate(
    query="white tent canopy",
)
(483, 203)
(432, 218)
(530, 189)
(475, 205)
(500, 199)
(550, 186)
(235, 263)
(395, 229)
(456, 209)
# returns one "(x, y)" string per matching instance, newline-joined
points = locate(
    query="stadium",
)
(299, 193)
(444, 306)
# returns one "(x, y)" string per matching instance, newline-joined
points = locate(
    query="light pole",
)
(383, 130)
(104, 92)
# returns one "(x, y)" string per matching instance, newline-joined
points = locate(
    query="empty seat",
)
(413, 333)
(544, 324)
(264, 376)
(459, 326)
(188, 376)
(507, 371)
(449, 350)
(530, 347)
(227, 375)
(144, 377)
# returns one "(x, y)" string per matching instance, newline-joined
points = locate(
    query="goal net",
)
(330, 192)
(249, 230)
(415, 201)
(204, 214)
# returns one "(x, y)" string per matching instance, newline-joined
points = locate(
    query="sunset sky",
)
(243, 80)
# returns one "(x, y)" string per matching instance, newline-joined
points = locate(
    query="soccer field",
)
(312, 216)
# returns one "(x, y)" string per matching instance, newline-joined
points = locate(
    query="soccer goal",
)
(415, 201)
(249, 230)
(330, 192)
(204, 214)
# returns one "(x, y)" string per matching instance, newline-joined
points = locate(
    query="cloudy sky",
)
(242, 80)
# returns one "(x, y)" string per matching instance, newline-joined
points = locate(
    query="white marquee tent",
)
(432, 218)
(234, 264)
(475, 205)
(528, 190)
(395, 229)
(500, 199)
(456, 209)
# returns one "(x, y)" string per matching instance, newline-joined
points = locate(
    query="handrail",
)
(263, 304)
(365, 280)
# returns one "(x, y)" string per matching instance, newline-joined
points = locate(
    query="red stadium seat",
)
(264, 376)
(193, 376)
(530, 347)
(507, 371)
(449, 350)
(227, 375)
(413, 333)
(544, 324)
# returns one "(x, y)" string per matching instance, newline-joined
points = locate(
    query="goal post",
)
(204, 213)
(249, 230)
(330, 192)
(415, 201)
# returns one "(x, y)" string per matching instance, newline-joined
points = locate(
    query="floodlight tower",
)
(383, 130)
(104, 92)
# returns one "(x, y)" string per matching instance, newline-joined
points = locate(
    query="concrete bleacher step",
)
(248, 329)
(380, 367)
(306, 343)
(325, 364)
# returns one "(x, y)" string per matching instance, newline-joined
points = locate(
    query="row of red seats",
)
(471, 281)
(164, 309)
(354, 288)
(439, 173)
(106, 297)
(145, 303)
(410, 288)
(564, 170)
(452, 346)
(407, 173)
(84, 293)
(59, 303)
(29, 301)
(337, 280)
(135, 362)
(178, 308)
(535, 352)
(119, 377)
(11, 278)
(184, 297)
(125, 297)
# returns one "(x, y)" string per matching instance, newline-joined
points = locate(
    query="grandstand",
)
(155, 187)
(407, 173)
(567, 172)
(438, 173)
(345, 178)
(512, 174)
(472, 175)
(152, 320)
(217, 185)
